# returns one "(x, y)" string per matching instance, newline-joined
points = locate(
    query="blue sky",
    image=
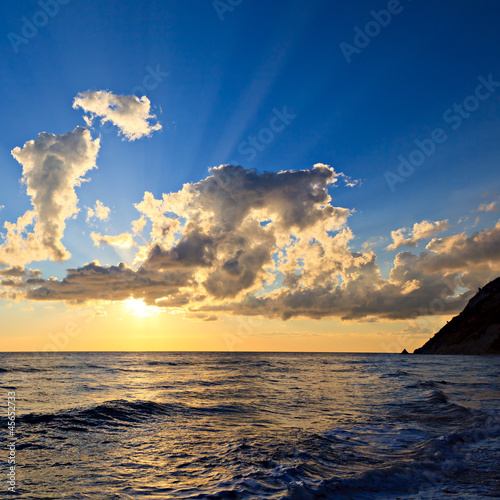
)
(221, 81)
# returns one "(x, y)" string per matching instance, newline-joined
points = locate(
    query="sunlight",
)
(137, 307)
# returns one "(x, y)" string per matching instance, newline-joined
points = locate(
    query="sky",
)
(245, 175)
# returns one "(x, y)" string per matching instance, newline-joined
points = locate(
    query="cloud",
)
(130, 114)
(17, 278)
(409, 237)
(363, 294)
(349, 181)
(138, 225)
(53, 166)
(109, 283)
(124, 240)
(474, 253)
(201, 317)
(209, 239)
(99, 212)
(275, 245)
(467, 261)
(488, 207)
(20, 272)
(414, 329)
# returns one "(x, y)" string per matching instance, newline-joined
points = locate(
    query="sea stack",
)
(476, 330)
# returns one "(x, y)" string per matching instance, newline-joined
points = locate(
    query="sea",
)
(212, 425)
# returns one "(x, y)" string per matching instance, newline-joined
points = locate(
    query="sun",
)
(137, 307)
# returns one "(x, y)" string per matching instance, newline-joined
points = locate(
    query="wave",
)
(122, 411)
(164, 363)
(23, 369)
(131, 370)
(433, 408)
(420, 469)
(109, 369)
(398, 373)
(425, 384)
(321, 467)
(99, 367)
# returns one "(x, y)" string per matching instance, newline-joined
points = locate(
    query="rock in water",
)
(476, 330)
(405, 351)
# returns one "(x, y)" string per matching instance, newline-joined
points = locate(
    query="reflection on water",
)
(250, 425)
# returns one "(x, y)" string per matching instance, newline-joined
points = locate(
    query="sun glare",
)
(137, 307)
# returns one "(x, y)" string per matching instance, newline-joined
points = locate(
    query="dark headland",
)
(476, 330)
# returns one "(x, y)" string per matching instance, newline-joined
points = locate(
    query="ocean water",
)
(253, 426)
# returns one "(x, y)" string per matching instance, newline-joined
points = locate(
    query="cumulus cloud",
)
(53, 166)
(99, 212)
(275, 245)
(409, 237)
(488, 207)
(124, 240)
(474, 255)
(459, 261)
(130, 114)
(211, 235)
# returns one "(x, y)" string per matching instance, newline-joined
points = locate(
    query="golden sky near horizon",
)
(133, 326)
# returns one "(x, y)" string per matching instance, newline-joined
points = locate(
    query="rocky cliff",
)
(476, 330)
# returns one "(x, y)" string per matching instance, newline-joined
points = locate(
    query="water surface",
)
(254, 425)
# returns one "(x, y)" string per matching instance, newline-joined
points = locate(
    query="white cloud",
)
(409, 237)
(124, 240)
(99, 211)
(130, 114)
(53, 166)
(138, 225)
